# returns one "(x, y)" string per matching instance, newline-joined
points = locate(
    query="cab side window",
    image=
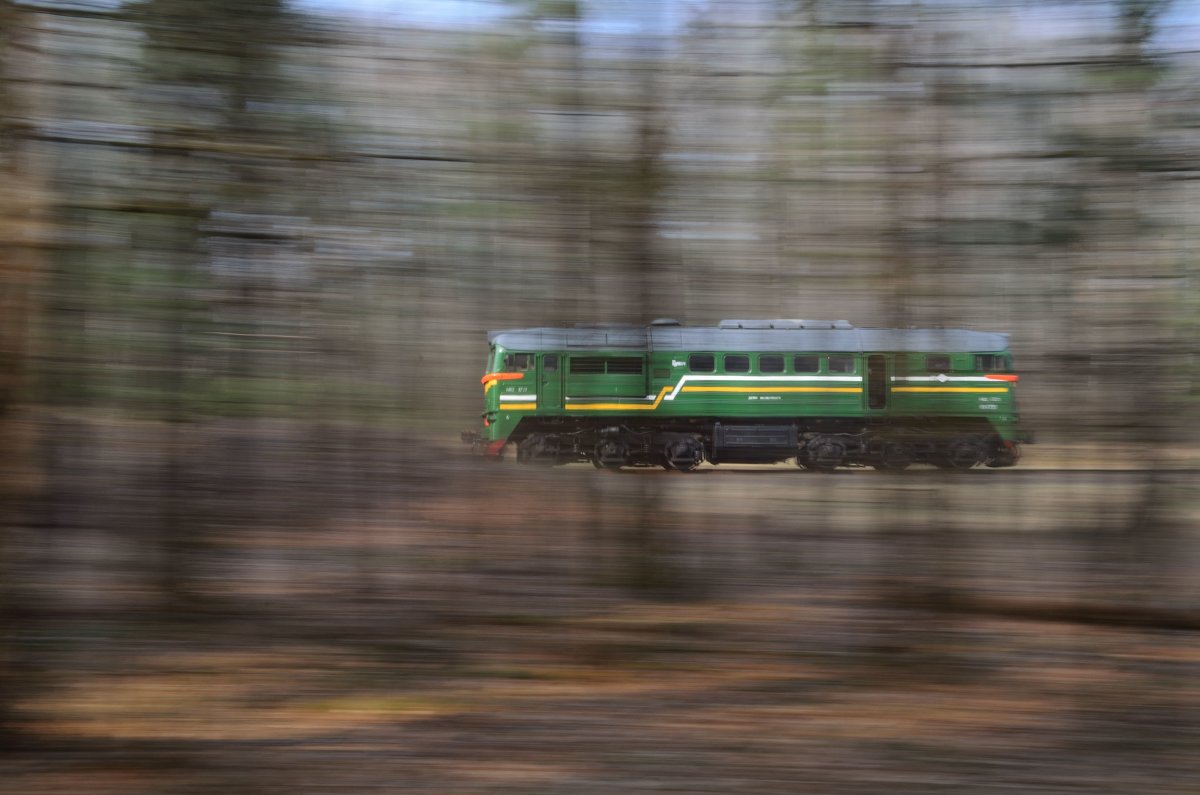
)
(737, 363)
(841, 364)
(939, 363)
(770, 363)
(806, 364)
(702, 363)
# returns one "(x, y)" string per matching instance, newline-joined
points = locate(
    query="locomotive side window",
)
(806, 364)
(841, 364)
(518, 362)
(937, 364)
(991, 362)
(736, 363)
(770, 364)
(550, 362)
(702, 362)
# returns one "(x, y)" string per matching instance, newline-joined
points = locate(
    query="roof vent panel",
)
(785, 323)
(747, 324)
(826, 324)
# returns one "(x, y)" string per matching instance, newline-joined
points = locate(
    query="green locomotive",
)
(825, 393)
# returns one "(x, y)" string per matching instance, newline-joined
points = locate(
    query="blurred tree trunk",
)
(900, 282)
(22, 222)
(653, 566)
(223, 54)
(920, 559)
(573, 168)
(646, 565)
(1152, 539)
(643, 212)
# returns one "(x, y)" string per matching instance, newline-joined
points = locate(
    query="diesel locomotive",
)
(824, 393)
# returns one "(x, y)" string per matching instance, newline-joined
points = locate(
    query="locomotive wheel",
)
(683, 455)
(962, 454)
(610, 453)
(538, 448)
(895, 457)
(825, 455)
(1004, 458)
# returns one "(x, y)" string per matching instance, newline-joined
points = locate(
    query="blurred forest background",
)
(249, 251)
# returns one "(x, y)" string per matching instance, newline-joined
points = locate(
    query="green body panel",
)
(900, 387)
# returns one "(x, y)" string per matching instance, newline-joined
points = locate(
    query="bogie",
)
(894, 456)
(683, 452)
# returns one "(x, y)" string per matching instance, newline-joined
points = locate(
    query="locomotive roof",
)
(681, 338)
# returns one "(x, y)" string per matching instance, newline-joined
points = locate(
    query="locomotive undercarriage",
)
(815, 444)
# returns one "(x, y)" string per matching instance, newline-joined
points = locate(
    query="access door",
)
(877, 382)
(550, 381)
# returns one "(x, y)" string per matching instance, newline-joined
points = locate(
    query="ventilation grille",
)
(599, 365)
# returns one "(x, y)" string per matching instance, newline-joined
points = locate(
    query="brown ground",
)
(496, 629)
